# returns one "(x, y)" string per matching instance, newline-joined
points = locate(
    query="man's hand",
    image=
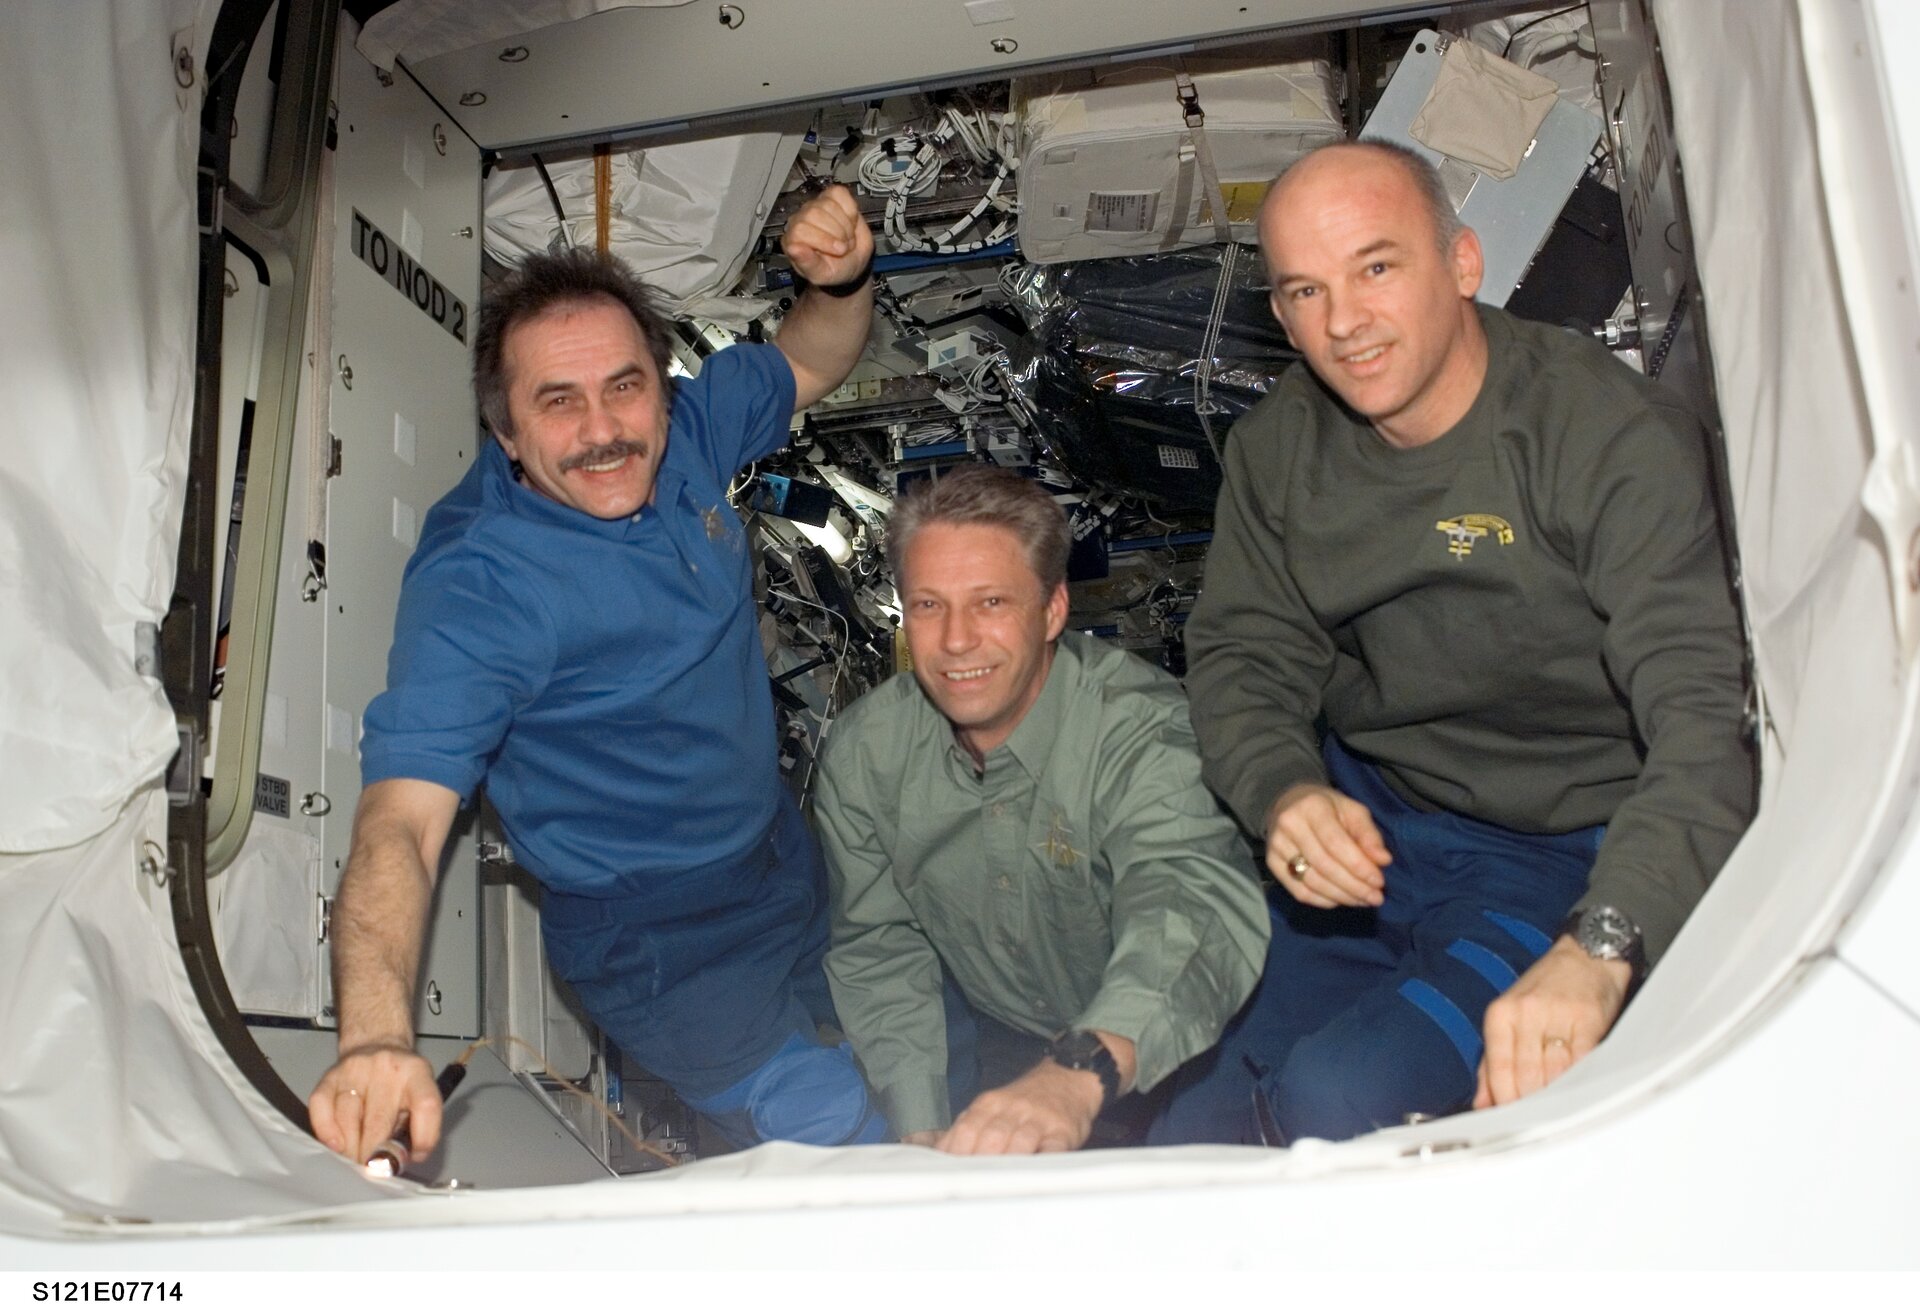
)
(1342, 848)
(1048, 1110)
(1552, 1017)
(360, 1103)
(827, 240)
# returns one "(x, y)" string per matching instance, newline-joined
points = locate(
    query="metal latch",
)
(146, 649)
(326, 918)
(316, 578)
(1189, 97)
(183, 773)
(212, 201)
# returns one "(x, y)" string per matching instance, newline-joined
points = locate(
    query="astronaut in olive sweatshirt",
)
(1468, 660)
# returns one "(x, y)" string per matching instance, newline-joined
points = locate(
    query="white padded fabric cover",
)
(684, 216)
(96, 380)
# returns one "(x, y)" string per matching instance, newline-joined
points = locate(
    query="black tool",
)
(393, 1157)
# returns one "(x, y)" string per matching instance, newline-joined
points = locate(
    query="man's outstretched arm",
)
(822, 335)
(1649, 550)
(380, 922)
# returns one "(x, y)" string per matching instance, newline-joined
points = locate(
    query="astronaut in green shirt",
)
(1024, 810)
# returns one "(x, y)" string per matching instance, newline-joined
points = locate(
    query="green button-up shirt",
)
(1084, 879)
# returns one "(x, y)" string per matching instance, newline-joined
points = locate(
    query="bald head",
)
(1344, 161)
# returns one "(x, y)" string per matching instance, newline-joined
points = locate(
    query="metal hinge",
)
(326, 918)
(333, 456)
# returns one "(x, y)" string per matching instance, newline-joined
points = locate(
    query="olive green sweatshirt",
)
(1527, 621)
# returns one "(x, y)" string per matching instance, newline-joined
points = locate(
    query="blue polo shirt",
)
(606, 679)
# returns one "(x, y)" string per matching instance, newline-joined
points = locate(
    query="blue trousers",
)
(1363, 1016)
(711, 979)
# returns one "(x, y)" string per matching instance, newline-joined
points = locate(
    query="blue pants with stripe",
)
(1363, 1016)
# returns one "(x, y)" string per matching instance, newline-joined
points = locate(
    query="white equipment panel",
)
(406, 287)
(1511, 217)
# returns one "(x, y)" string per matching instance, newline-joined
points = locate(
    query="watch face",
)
(1078, 1049)
(1606, 933)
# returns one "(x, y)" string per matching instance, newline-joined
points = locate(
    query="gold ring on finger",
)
(1554, 1041)
(1299, 866)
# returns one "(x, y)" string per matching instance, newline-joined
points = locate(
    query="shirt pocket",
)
(1070, 894)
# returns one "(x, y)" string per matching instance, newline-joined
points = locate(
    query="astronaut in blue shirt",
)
(577, 629)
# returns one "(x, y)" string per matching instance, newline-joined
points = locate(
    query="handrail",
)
(205, 832)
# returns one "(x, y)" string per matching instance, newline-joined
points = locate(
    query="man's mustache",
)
(604, 454)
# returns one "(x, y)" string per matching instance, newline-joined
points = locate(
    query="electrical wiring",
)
(840, 660)
(741, 480)
(1532, 23)
(652, 1150)
(1167, 532)
(987, 369)
(879, 174)
(1013, 273)
(1210, 341)
(561, 234)
(833, 689)
(921, 176)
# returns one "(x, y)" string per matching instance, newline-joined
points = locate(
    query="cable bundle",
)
(975, 133)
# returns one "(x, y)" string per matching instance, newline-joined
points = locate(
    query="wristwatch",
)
(1608, 933)
(1082, 1050)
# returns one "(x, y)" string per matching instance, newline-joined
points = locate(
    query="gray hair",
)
(978, 494)
(544, 282)
(1426, 179)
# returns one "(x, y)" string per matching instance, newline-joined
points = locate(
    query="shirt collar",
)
(1032, 741)
(1031, 744)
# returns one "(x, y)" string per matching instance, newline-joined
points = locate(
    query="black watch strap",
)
(1082, 1050)
(845, 288)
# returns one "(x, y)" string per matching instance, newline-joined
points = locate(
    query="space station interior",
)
(1067, 284)
(244, 283)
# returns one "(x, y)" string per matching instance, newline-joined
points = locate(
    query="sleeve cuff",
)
(1659, 919)
(1137, 1016)
(916, 1102)
(1252, 798)
(386, 765)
